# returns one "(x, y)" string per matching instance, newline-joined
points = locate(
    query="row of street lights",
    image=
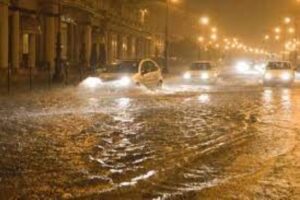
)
(284, 35)
(211, 37)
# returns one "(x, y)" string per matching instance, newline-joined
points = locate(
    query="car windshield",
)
(278, 66)
(124, 67)
(201, 66)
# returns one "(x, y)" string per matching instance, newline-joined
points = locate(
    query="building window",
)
(114, 47)
(64, 39)
(25, 43)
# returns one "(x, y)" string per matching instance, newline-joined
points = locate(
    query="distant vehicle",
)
(201, 72)
(134, 72)
(279, 72)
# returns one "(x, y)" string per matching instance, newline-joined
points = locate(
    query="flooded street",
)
(235, 141)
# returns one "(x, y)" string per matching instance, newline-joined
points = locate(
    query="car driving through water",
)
(279, 73)
(127, 73)
(201, 72)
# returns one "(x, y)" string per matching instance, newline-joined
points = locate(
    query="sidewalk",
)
(36, 80)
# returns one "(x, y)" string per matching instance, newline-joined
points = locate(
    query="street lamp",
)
(214, 29)
(201, 39)
(291, 30)
(277, 30)
(204, 20)
(214, 37)
(287, 20)
(267, 37)
(167, 33)
(58, 76)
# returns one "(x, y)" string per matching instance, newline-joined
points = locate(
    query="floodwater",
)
(228, 141)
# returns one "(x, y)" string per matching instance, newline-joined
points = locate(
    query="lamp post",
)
(58, 73)
(167, 42)
(204, 21)
(200, 40)
(166, 69)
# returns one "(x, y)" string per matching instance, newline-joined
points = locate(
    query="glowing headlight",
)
(204, 76)
(286, 76)
(187, 76)
(242, 67)
(268, 76)
(92, 82)
(125, 81)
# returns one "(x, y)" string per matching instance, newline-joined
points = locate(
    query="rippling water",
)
(232, 142)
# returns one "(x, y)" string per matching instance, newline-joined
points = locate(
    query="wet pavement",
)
(233, 140)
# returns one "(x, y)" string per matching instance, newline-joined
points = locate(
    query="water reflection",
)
(123, 102)
(204, 98)
(268, 96)
(286, 99)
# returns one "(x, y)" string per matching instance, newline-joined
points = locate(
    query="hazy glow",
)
(286, 76)
(242, 67)
(123, 102)
(125, 81)
(204, 20)
(91, 82)
(204, 76)
(187, 76)
(204, 98)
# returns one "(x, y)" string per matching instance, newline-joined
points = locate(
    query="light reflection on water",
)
(156, 145)
(286, 99)
(204, 98)
(267, 96)
(123, 102)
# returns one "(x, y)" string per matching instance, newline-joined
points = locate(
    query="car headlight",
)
(187, 76)
(268, 76)
(286, 76)
(204, 76)
(125, 81)
(92, 82)
(242, 67)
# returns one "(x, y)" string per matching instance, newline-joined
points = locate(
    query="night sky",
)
(247, 19)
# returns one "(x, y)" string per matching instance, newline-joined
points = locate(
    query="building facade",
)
(92, 32)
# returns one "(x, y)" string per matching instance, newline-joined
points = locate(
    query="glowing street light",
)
(277, 30)
(204, 20)
(267, 37)
(287, 20)
(200, 39)
(214, 37)
(291, 30)
(214, 29)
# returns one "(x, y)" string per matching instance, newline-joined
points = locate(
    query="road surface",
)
(233, 140)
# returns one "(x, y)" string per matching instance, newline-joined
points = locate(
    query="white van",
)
(279, 73)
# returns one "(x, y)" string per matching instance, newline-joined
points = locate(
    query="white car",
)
(202, 72)
(134, 72)
(279, 72)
